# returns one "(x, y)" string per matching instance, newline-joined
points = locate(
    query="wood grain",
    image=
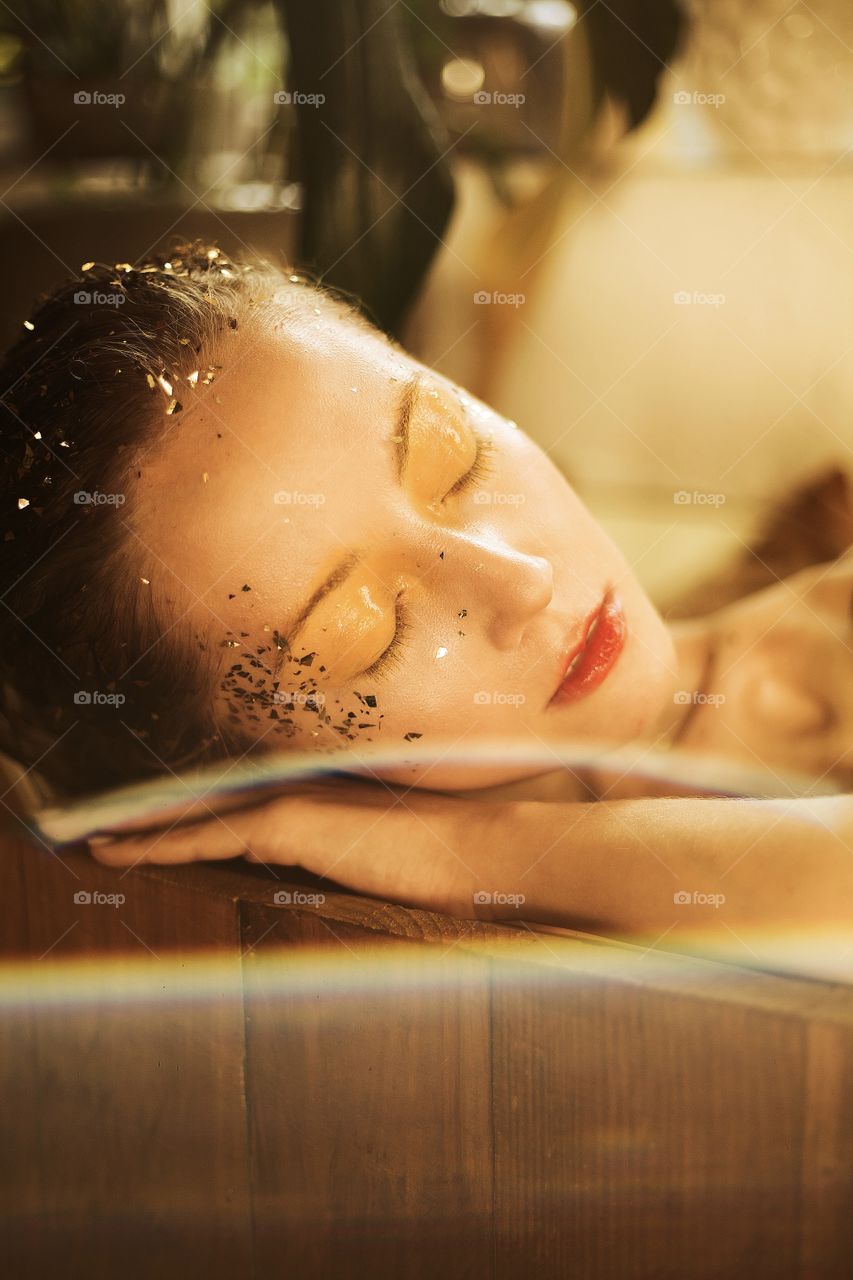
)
(210, 1079)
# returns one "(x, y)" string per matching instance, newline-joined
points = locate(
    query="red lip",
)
(603, 639)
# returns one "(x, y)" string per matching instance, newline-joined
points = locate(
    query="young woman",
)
(239, 519)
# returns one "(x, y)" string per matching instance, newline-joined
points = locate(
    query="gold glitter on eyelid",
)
(415, 389)
(400, 444)
(359, 621)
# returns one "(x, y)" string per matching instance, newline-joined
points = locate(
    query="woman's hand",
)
(425, 849)
(746, 881)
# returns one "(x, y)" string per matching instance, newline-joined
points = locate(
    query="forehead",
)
(272, 472)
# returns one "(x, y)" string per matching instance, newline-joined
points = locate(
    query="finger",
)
(263, 832)
(202, 807)
(219, 838)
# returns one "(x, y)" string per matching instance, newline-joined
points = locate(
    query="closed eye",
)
(481, 466)
(479, 469)
(392, 654)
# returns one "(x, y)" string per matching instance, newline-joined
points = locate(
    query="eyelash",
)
(392, 654)
(481, 466)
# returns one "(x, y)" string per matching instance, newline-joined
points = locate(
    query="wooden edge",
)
(558, 949)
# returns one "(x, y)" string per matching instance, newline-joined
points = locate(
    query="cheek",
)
(429, 696)
(472, 699)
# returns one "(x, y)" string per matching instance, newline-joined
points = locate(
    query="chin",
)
(642, 682)
(466, 777)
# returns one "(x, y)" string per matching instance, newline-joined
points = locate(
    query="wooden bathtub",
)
(204, 1081)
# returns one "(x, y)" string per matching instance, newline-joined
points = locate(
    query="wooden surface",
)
(203, 1080)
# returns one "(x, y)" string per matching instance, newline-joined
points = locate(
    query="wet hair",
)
(100, 682)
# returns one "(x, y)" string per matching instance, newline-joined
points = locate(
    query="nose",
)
(501, 588)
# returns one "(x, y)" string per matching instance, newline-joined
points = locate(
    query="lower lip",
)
(597, 653)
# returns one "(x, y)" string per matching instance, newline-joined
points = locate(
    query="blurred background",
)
(624, 224)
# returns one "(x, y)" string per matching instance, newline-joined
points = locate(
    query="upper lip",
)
(580, 640)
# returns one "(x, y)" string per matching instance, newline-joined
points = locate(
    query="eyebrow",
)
(399, 442)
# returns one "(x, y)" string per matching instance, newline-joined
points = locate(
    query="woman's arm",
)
(754, 864)
(766, 883)
(750, 868)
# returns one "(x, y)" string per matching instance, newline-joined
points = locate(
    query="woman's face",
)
(314, 510)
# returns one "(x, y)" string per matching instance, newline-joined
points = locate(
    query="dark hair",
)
(100, 684)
